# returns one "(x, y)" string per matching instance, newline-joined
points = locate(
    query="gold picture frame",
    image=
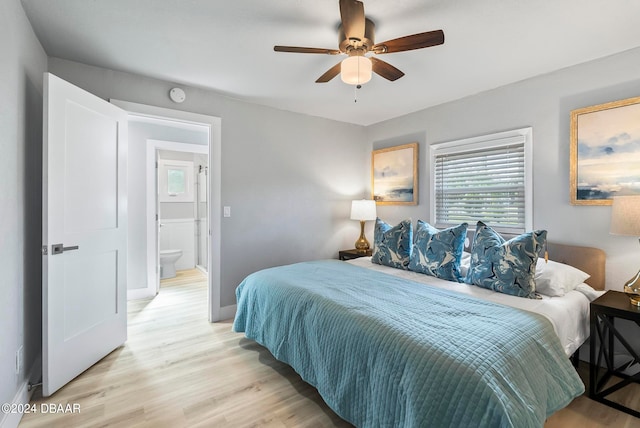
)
(605, 152)
(394, 175)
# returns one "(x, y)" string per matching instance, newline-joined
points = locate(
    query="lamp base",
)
(632, 289)
(362, 245)
(635, 300)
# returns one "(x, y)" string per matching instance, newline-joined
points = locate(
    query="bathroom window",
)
(176, 181)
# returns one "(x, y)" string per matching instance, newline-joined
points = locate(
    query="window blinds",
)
(485, 184)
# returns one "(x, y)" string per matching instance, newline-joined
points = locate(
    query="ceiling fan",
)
(356, 38)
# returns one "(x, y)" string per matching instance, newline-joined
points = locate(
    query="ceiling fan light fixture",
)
(356, 70)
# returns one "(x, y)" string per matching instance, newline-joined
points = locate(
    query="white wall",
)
(545, 103)
(288, 178)
(21, 67)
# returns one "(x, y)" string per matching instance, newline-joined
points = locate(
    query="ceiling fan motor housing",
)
(358, 47)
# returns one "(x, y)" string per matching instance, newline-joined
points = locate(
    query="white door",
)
(84, 231)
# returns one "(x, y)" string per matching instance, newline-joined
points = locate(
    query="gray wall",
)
(289, 178)
(21, 67)
(545, 103)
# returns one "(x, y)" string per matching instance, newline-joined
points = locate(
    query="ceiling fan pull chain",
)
(355, 93)
(355, 90)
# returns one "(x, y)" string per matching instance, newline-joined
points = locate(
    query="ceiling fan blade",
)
(385, 69)
(330, 74)
(297, 49)
(353, 21)
(407, 43)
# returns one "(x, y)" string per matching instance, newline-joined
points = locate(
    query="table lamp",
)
(363, 210)
(625, 220)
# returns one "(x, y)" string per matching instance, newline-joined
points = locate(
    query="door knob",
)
(60, 248)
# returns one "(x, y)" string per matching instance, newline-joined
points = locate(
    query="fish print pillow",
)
(438, 252)
(505, 266)
(392, 244)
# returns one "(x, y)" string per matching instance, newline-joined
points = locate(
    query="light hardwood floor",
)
(179, 370)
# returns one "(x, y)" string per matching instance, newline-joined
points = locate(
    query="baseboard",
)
(140, 293)
(23, 396)
(227, 312)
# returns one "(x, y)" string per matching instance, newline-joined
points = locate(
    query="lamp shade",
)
(625, 216)
(355, 70)
(363, 210)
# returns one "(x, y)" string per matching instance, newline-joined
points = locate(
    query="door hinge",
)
(157, 217)
(44, 250)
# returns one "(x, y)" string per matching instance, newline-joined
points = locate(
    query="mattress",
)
(569, 315)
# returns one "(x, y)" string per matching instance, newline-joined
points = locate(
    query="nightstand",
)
(604, 311)
(353, 254)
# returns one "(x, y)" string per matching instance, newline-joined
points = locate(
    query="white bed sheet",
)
(569, 314)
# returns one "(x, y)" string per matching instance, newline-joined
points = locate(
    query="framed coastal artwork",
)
(605, 152)
(394, 175)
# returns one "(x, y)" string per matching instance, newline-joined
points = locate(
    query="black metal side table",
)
(604, 311)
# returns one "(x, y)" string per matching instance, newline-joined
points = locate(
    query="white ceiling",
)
(227, 46)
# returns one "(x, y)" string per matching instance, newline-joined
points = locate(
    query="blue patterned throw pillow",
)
(392, 244)
(438, 252)
(505, 266)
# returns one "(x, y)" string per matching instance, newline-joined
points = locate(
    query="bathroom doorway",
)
(143, 243)
(181, 206)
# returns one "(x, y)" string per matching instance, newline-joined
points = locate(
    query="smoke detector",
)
(177, 95)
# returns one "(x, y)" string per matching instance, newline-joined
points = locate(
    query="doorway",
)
(147, 282)
(180, 185)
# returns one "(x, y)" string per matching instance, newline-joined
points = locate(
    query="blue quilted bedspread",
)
(387, 352)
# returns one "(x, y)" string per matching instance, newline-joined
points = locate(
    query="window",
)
(175, 181)
(484, 178)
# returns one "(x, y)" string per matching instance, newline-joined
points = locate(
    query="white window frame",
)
(489, 141)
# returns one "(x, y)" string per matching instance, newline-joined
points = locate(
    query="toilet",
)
(168, 259)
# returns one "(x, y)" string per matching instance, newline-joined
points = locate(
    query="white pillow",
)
(465, 261)
(554, 279)
(590, 292)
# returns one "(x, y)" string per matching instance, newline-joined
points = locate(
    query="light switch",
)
(227, 211)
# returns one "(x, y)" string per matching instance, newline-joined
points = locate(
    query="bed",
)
(388, 348)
